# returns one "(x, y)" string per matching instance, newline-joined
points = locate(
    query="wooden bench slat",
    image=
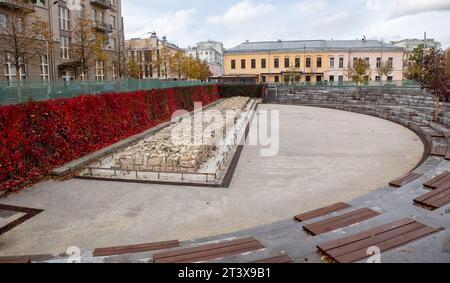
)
(443, 201)
(388, 245)
(208, 254)
(276, 259)
(321, 211)
(373, 241)
(363, 235)
(439, 151)
(430, 194)
(441, 178)
(405, 179)
(135, 248)
(340, 221)
(14, 260)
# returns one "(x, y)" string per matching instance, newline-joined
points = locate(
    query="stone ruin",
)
(160, 154)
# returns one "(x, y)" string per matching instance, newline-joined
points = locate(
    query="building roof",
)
(312, 45)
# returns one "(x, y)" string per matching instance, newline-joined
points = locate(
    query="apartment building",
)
(152, 56)
(59, 62)
(309, 60)
(211, 52)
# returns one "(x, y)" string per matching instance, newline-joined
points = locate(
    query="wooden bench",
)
(439, 150)
(131, 249)
(14, 260)
(276, 259)
(405, 179)
(209, 251)
(321, 211)
(440, 180)
(340, 221)
(28, 214)
(386, 237)
(436, 198)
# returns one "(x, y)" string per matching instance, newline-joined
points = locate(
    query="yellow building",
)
(304, 61)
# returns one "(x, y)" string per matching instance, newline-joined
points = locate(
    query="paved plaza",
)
(325, 156)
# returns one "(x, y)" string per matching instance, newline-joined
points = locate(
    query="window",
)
(263, 79)
(233, 64)
(308, 79)
(253, 63)
(44, 68)
(113, 22)
(3, 21)
(377, 78)
(390, 78)
(308, 62)
(99, 70)
(355, 60)
(378, 62)
(341, 63)
(115, 68)
(391, 61)
(319, 62)
(277, 79)
(331, 62)
(297, 62)
(243, 64)
(65, 49)
(286, 63)
(263, 63)
(64, 19)
(367, 60)
(331, 79)
(318, 79)
(341, 79)
(10, 69)
(276, 63)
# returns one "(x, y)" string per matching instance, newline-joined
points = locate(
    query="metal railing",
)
(18, 92)
(404, 84)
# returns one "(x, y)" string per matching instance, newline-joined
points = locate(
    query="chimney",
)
(164, 39)
(153, 35)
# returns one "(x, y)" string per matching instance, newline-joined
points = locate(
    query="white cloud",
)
(241, 12)
(310, 6)
(174, 23)
(408, 7)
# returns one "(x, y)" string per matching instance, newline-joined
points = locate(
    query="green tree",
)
(359, 72)
(385, 70)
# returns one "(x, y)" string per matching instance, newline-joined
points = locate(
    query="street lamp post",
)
(50, 54)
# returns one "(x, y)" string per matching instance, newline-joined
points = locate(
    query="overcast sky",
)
(234, 21)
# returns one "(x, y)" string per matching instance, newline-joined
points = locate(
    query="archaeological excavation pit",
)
(200, 148)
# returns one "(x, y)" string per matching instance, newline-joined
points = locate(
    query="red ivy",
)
(36, 137)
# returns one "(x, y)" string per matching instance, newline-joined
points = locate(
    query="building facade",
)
(59, 61)
(151, 55)
(309, 61)
(410, 44)
(212, 52)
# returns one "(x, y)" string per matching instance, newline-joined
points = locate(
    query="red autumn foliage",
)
(36, 137)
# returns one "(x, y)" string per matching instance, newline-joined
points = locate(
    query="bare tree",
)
(25, 38)
(87, 44)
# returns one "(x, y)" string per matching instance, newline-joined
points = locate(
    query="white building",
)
(410, 44)
(211, 52)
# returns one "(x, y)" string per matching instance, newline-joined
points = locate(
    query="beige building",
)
(152, 56)
(61, 16)
(309, 60)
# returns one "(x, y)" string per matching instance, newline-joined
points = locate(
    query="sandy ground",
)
(325, 156)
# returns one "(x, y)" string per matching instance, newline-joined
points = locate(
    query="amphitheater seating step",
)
(435, 134)
(439, 150)
(14, 260)
(340, 221)
(135, 248)
(209, 251)
(405, 179)
(321, 211)
(276, 259)
(440, 180)
(386, 237)
(436, 198)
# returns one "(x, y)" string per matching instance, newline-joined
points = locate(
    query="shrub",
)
(36, 137)
(254, 91)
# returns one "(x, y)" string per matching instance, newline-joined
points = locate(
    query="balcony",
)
(105, 4)
(17, 5)
(103, 27)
